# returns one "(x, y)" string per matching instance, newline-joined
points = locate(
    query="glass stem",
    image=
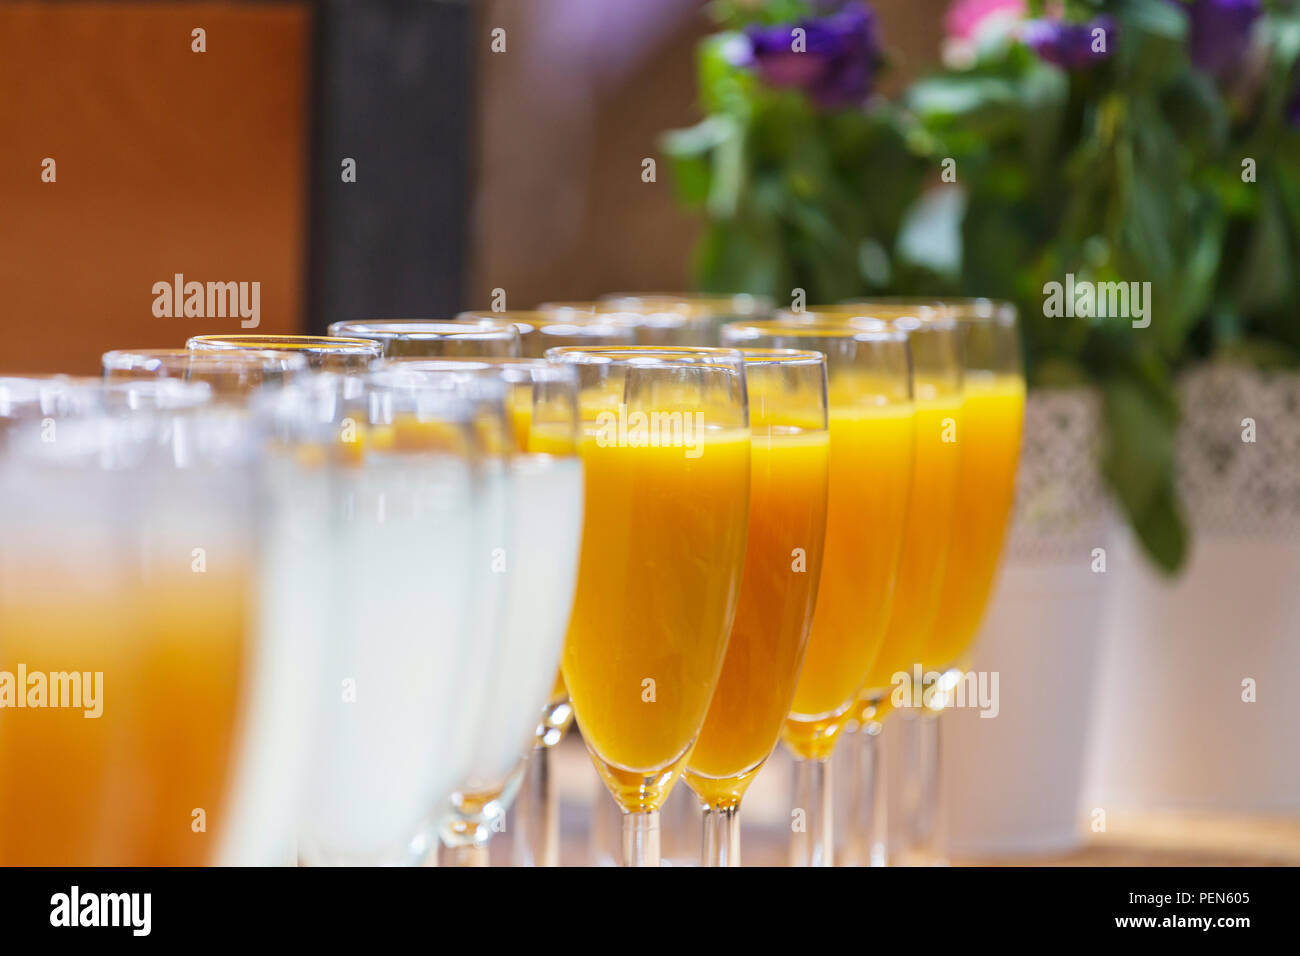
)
(926, 838)
(641, 838)
(464, 842)
(722, 836)
(467, 855)
(812, 841)
(537, 813)
(872, 810)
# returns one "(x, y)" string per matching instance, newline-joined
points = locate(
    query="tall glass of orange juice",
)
(940, 430)
(990, 452)
(126, 576)
(778, 590)
(871, 449)
(666, 447)
(994, 387)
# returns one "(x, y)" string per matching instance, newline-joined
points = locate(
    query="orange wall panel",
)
(167, 161)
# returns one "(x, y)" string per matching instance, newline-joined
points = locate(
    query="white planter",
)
(1175, 731)
(1012, 783)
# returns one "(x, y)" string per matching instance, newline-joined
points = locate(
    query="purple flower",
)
(1220, 33)
(1070, 45)
(833, 61)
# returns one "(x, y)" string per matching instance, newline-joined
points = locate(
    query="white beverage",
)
(400, 680)
(295, 588)
(540, 570)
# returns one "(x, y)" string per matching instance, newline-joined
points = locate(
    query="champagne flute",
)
(323, 353)
(896, 677)
(137, 607)
(778, 591)
(410, 518)
(292, 604)
(537, 811)
(667, 455)
(992, 416)
(540, 565)
(871, 460)
(936, 349)
(433, 338)
(595, 323)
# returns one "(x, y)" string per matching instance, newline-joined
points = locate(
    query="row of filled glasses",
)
(277, 598)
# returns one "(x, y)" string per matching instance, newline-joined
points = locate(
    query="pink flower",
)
(965, 17)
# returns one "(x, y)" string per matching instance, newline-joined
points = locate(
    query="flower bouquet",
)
(1126, 171)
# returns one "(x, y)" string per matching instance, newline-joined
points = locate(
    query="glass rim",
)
(469, 364)
(173, 394)
(748, 302)
(90, 393)
(908, 322)
(389, 376)
(414, 361)
(619, 355)
(427, 330)
(889, 301)
(317, 344)
(551, 323)
(124, 359)
(843, 329)
(791, 357)
(535, 318)
(561, 306)
(982, 309)
(54, 384)
(962, 308)
(20, 392)
(38, 378)
(584, 328)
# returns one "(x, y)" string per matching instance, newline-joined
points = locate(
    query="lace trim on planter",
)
(1061, 510)
(1231, 486)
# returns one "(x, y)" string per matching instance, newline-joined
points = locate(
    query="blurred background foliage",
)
(1116, 140)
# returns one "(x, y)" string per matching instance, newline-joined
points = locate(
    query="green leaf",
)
(930, 234)
(729, 172)
(1266, 270)
(723, 87)
(1138, 462)
(690, 152)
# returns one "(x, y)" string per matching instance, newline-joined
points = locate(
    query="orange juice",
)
(871, 450)
(939, 436)
(992, 416)
(662, 552)
(122, 788)
(787, 525)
